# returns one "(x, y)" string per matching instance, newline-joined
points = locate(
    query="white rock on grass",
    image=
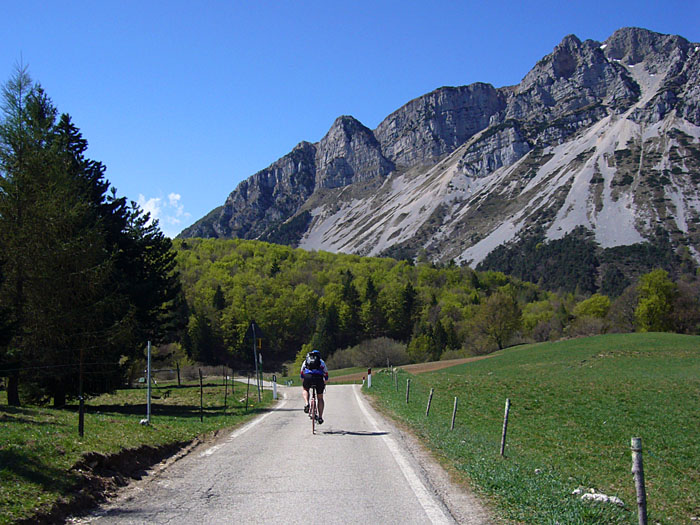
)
(600, 498)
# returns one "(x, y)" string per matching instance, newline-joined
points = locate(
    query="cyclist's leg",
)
(320, 389)
(305, 393)
(321, 404)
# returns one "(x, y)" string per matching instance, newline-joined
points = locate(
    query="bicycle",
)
(313, 408)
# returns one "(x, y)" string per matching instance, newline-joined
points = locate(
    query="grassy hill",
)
(575, 406)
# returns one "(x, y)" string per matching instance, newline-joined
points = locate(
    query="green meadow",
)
(39, 446)
(575, 406)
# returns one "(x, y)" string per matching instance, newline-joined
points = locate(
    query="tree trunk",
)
(59, 397)
(13, 390)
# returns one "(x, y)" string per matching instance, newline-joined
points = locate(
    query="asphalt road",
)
(357, 469)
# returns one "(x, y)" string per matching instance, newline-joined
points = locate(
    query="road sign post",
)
(147, 421)
(255, 331)
(148, 379)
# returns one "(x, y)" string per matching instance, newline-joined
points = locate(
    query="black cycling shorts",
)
(314, 380)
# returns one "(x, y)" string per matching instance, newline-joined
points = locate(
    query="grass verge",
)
(575, 406)
(39, 447)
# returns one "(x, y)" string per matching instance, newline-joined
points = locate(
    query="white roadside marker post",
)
(505, 428)
(638, 471)
(454, 415)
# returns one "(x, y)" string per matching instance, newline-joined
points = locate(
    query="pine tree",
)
(327, 338)
(55, 254)
(372, 316)
(219, 301)
(403, 325)
(86, 276)
(351, 326)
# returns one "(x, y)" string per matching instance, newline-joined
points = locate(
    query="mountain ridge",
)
(600, 135)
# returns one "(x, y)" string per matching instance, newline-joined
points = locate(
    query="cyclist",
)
(314, 372)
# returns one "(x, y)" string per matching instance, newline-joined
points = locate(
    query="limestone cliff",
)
(604, 135)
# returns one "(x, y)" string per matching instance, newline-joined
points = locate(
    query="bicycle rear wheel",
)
(313, 410)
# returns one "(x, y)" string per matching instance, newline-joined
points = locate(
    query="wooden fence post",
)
(177, 364)
(505, 427)
(430, 400)
(638, 471)
(408, 388)
(454, 414)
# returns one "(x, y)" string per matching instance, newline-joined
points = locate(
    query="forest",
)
(577, 263)
(412, 312)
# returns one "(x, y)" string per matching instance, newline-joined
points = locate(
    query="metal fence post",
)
(247, 390)
(225, 389)
(408, 389)
(201, 397)
(148, 380)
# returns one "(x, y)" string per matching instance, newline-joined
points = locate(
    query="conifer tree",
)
(87, 278)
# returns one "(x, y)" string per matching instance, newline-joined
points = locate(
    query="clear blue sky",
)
(185, 99)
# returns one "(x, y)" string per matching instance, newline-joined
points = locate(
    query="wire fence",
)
(445, 411)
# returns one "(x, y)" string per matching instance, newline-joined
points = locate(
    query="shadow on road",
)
(273, 409)
(353, 433)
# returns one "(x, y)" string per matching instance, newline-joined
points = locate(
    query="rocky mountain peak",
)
(603, 136)
(566, 57)
(437, 123)
(349, 153)
(632, 45)
(575, 75)
(660, 64)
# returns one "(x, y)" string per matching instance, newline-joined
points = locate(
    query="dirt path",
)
(418, 368)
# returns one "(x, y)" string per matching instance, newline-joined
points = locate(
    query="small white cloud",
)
(169, 213)
(174, 199)
(152, 206)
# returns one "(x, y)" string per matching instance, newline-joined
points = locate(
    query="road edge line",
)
(432, 509)
(245, 428)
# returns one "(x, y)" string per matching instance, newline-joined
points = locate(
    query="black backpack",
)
(313, 361)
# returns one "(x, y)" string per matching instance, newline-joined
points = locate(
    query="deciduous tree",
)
(657, 294)
(498, 318)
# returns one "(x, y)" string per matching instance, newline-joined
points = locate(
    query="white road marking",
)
(435, 513)
(245, 428)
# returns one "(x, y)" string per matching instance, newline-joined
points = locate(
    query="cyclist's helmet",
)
(315, 352)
